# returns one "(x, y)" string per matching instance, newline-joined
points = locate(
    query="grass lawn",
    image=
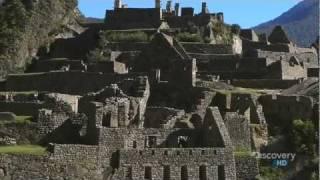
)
(23, 149)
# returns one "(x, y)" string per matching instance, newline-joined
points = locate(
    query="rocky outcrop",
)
(28, 27)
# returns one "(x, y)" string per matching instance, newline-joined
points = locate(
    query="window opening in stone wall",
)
(129, 173)
(151, 142)
(203, 172)
(166, 173)
(106, 120)
(134, 144)
(184, 173)
(221, 175)
(147, 173)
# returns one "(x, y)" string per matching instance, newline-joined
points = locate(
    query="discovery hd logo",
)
(277, 159)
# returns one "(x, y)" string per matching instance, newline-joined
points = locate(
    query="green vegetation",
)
(23, 119)
(20, 92)
(24, 26)
(188, 37)
(222, 32)
(242, 152)
(302, 136)
(243, 91)
(23, 149)
(19, 120)
(98, 55)
(12, 22)
(270, 173)
(133, 36)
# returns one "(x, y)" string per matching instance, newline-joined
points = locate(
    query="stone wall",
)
(211, 57)
(249, 45)
(133, 18)
(239, 130)
(23, 133)
(128, 46)
(75, 153)
(184, 21)
(55, 64)
(292, 71)
(232, 66)
(307, 57)
(119, 138)
(247, 167)
(64, 82)
(71, 100)
(208, 48)
(285, 109)
(49, 121)
(162, 117)
(249, 34)
(28, 167)
(179, 163)
(264, 83)
(108, 67)
(22, 108)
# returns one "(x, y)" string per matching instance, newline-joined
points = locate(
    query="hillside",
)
(301, 23)
(27, 26)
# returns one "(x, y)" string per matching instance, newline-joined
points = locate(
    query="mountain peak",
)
(300, 22)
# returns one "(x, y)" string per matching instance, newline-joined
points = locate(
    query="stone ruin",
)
(161, 109)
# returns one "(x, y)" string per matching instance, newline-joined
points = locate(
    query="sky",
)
(246, 13)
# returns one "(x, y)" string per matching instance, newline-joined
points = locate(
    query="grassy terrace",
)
(19, 92)
(18, 120)
(242, 152)
(23, 150)
(248, 91)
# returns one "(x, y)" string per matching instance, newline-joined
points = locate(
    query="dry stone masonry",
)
(145, 102)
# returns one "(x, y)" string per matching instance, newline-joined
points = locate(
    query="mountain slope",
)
(27, 25)
(301, 23)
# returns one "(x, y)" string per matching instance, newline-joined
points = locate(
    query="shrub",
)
(269, 173)
(126, 36)
(98, 54)
(188, 37)
(302, 136)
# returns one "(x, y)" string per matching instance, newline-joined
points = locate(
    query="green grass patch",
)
(23, 119)
(23, 149)
(242, 152)
(18, 120)
(136, 36)
(271, 173)
(19, 92)
(188, 37)
(243, 91)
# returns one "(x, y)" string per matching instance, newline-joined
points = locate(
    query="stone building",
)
(157, 109)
